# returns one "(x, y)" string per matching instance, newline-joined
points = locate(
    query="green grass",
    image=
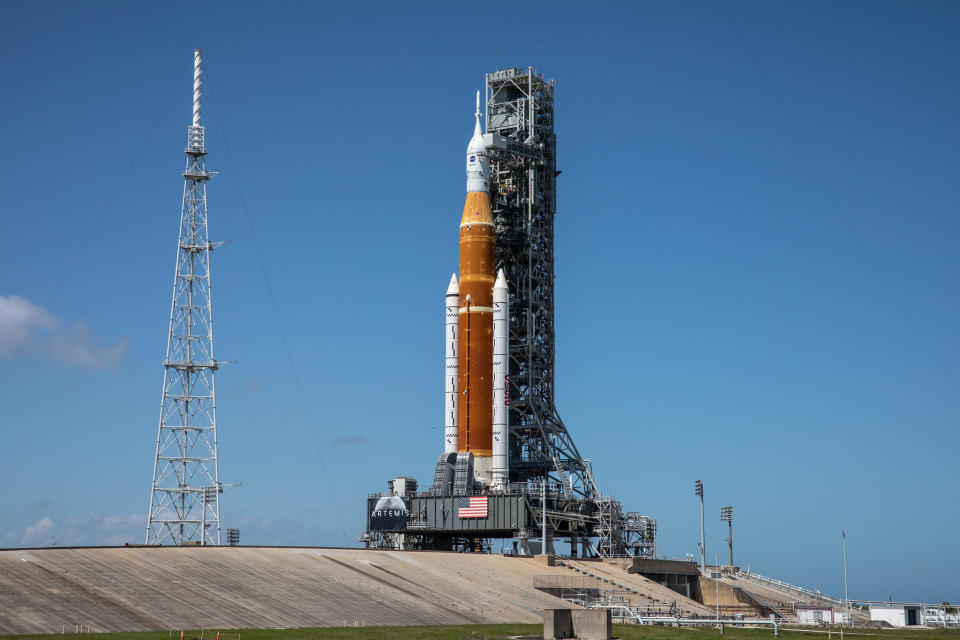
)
(503, 631)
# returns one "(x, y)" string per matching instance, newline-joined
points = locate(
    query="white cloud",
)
(311, 527)
(251, 385)
(31, 329)
(87, 529)
(94, 528)
(308, 527)
(17, 315)
(37, 534)
(349, 441)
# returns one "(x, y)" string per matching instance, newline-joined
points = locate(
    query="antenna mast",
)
(186, 488)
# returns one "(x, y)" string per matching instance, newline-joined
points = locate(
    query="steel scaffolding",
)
(522, 147)
(639, 535)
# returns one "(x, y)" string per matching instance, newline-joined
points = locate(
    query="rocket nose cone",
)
(501, 282)
(454, 288)
(476, 141)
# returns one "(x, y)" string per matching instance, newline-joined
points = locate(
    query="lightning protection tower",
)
(186, 488)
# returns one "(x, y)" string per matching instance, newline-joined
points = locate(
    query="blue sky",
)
(756, 263)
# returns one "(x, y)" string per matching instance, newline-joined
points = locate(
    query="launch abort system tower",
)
(550, 490)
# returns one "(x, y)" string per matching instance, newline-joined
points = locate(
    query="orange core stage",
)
(475, 410)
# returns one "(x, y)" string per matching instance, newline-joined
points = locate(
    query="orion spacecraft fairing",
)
(476, 435)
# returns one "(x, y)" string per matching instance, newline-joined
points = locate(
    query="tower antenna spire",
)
(186, 487)
(197, 81)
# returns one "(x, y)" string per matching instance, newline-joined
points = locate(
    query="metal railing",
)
(940, 617)
(786, 586)
(554, 491)
(673, 607)
(630, 613)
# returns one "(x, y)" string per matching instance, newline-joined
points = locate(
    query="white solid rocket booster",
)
(501, 373)
(451, 373)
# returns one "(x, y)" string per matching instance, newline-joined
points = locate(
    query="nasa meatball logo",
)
(473, 158)
(390, 513)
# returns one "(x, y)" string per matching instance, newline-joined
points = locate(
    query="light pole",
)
(698, 486)
(726, 515)
(543, 514)
(717, 580)
(846, 593)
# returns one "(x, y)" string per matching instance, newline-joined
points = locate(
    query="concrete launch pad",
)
(143, 588)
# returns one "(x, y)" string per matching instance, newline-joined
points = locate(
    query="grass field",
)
(502, 632)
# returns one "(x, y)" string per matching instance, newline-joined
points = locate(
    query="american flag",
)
(472, 507)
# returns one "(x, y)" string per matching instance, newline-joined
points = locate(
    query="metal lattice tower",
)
(522, 147)
(640, 535)
(185, 494)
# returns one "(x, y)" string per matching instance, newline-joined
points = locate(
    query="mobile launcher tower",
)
(510, 468)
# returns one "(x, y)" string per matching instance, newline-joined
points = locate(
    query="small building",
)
(896, 614)
(818, 614)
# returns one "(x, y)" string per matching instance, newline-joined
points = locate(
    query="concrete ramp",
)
(768, 596)
(640, 591)
(143, 588)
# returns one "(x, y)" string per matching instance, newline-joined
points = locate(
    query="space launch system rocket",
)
(476, 435)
